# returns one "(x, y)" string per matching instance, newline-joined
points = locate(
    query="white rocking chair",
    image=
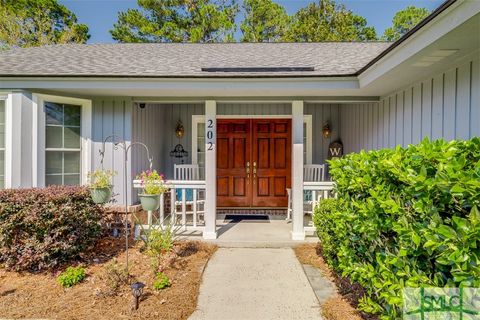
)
(188, 172)
(311, 173)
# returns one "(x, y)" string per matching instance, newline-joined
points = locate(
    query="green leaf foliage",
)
(71, 276)
(28, 23)
(177, 21)
(265, 21)
(215, 21)
(407, 217)
(403, 21)
(42, 228)
(161, 281)
(328, 21)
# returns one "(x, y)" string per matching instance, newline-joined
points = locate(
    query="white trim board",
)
(38, 139)
(8, 139)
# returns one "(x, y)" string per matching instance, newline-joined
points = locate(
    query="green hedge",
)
(41, 228)
(404, 218)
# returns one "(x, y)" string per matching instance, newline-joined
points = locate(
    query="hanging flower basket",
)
(100, 186)
(101, 195)
(150, 202)
(153, 186)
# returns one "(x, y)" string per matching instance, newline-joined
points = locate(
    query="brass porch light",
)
(326, 130)
(179, 129)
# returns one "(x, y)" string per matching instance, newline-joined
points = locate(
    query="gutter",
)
(76, 76)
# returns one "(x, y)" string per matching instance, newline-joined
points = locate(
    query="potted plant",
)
(100, 185)
(153, 186)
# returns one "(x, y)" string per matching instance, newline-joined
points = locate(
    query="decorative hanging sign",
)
(335, 149)
(178, 152)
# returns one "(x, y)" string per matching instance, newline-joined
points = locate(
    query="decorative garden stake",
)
(119, 143)
(137, 290)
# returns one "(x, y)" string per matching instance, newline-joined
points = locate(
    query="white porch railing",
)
(320, 190)
(182, 206)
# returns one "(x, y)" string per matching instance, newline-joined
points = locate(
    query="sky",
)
(100, 15)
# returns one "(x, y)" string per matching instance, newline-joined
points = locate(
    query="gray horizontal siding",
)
(446, 105)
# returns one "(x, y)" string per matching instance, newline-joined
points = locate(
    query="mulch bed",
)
(27, 295)
(342, 306)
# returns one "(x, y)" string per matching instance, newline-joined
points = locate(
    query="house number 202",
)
(209, 134)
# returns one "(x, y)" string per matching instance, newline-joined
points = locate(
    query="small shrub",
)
(71, 276)
(41, 228)
(159, 246)
(160, 241)
(406, 217)
(161, 281)
(115, 276)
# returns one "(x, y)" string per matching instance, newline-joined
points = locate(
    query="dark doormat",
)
(234, 218)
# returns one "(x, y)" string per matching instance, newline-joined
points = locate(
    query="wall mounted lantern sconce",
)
(179, 129)
(326, 130)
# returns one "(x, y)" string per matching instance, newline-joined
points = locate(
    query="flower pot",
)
(101, 195)
(150, 202)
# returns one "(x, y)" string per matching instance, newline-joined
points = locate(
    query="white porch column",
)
(18, 140)
(298, 232)
(210, 231)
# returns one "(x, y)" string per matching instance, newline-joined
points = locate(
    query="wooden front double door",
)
(253, 162)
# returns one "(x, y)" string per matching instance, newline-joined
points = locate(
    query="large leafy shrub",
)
(407, 217)
(41, 228)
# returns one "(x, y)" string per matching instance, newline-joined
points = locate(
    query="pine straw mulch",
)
(27, 295)
(343, 305)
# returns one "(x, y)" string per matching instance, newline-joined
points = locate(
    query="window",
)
(62, 144)
(2, 144)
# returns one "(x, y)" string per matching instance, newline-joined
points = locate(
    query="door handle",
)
(248, 171)
(254, 171)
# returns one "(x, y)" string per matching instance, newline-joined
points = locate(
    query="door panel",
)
(253, 162)
(233, 154)
(271, 159)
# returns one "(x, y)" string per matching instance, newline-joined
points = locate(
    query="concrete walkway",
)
(255, 283)
(273, 233)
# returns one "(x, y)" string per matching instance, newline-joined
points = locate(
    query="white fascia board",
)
(190, 86)
(448, 20)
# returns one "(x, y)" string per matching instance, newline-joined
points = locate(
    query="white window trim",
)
(38, 142)
(196, 119)
(7, 97)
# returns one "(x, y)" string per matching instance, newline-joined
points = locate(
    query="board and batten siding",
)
(446, 105)
(321, 114)
(155, 126)
(112, 116)
(254, 109)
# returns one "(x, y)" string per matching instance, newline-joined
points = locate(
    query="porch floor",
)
(272, 233)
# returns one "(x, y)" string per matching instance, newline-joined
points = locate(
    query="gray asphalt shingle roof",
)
(187, 60)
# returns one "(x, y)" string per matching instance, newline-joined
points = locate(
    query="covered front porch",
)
(207, 190)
